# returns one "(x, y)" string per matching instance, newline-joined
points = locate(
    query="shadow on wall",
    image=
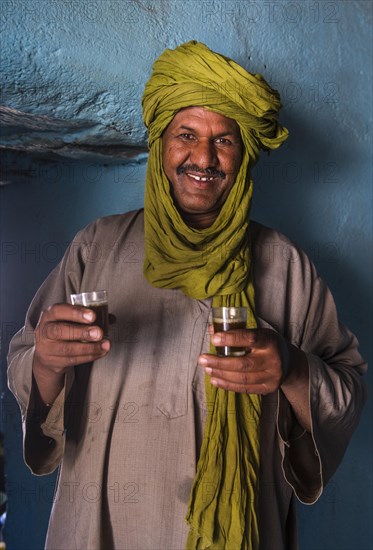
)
(308, 190)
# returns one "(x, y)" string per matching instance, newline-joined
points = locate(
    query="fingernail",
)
(88, 316)
(202, 361)
(105, 345)
(208, 370)
(216, 339)
(94, 333)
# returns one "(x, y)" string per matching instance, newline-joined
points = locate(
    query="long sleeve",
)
(293, 299)
(43, 440)
(84, 265)
(337, 391)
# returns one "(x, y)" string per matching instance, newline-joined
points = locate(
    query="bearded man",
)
(150, 427)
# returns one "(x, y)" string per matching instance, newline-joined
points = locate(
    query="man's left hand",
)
(260, 371)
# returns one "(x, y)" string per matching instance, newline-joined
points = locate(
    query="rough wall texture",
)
(72, 80)
(73, 72)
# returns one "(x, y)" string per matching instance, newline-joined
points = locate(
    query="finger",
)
(77, 349)
(232, 338)
(216, 363)
(253, 382)
(245, 378)
(75, 353)
(253, 339)
(55, 331)
(68, 312)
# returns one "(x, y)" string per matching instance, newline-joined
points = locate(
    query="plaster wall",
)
(77, 70)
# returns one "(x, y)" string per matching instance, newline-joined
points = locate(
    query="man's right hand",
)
(64, 337)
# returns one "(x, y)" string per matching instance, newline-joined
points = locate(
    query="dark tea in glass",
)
(225, 319)
(97, 301)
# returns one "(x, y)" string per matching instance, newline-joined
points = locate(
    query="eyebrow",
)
(221, 134)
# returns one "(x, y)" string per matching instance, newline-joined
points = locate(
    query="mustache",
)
(204, 172)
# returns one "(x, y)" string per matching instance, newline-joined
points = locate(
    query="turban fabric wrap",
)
(212, 263)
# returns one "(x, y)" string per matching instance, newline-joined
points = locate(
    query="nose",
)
(204, 154)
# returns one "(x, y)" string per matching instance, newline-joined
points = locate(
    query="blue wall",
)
(317, 189)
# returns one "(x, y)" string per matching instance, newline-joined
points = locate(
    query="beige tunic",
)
(126, 431)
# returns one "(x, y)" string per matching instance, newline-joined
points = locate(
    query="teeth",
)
(201, 178)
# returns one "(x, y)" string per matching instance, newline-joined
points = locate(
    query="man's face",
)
(202, 153)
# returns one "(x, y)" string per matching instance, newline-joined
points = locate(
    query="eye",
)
(223, 141)
(186, 136)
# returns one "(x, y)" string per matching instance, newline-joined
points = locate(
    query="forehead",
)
(198, 118)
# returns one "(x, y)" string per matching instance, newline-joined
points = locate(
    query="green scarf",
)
(213, 262)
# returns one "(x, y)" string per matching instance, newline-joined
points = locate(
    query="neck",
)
(198, 220)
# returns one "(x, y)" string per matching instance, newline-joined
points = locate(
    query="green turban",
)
(193, 75)
(212, 263)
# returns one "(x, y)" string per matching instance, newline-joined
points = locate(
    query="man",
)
(142, 435)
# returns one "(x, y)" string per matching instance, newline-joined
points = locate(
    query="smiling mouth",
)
(198, 174)
(200, 178)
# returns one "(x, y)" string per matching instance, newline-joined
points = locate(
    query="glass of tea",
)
(225, 319)
(98, 302)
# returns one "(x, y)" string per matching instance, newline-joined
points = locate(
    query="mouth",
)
(199, 175)
(202, 179)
